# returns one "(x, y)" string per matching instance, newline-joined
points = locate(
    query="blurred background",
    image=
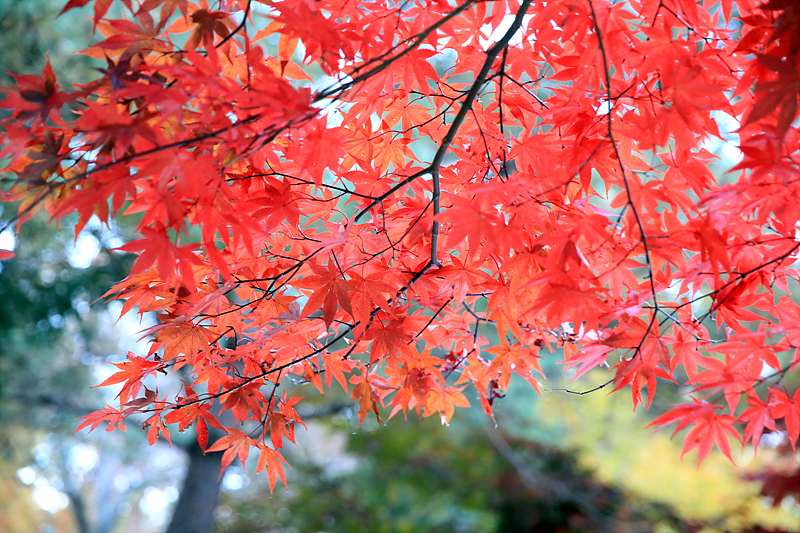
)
(553, 463)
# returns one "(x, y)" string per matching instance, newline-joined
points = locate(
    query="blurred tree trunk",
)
(199, 494)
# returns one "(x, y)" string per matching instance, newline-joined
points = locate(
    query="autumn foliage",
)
(354, 194)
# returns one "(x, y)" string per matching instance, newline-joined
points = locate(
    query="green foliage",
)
(418, 475)
(46, 337)
(29, 29)
(559, 462)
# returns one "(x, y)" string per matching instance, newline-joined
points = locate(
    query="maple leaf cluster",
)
(360, 194)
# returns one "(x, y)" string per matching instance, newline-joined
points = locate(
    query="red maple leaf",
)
(234, 444)
(271, 461)
(132, 372)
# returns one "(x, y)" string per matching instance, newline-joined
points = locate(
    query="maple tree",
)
(350, 193)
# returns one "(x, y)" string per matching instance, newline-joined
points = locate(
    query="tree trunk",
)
(199, 494)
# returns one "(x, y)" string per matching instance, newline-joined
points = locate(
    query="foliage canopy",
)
(350, 193)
